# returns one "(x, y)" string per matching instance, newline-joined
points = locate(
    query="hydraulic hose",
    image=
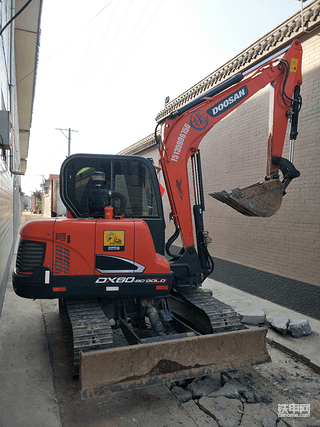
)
(170, 242)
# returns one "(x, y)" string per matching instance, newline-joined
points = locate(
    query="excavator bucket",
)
(107, 371)
(262, 199)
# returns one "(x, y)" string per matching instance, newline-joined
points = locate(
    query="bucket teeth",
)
(262, 199)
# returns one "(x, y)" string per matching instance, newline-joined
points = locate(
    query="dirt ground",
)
(248, 397)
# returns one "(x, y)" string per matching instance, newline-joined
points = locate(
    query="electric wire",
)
(130, 35)
(66, 43)
(116, 33)
(128, 38)
(15, 16)
(116, 70)
(104, 35)
(92, 37)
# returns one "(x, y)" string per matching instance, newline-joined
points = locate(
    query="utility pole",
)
(68, 137)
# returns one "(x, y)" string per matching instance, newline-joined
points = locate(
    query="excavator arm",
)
(184, 129)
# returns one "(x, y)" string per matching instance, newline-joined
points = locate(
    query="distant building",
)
(51, 201)
(26, 203)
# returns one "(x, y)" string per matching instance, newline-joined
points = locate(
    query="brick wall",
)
(234, 155)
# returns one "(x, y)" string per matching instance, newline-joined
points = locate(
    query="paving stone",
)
(181, 394)
(205, 386)
(280, 323)
(257, 316)
(200, 418)
(227, 412)
(299, 327)
(258, 414)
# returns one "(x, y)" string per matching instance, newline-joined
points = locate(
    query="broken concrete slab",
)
(181, 394)
(258, 414)
(299, 327)
(228, 390)
(204, 386)
(227, 412)
(200, 418)
(255, 317)
(280, 323)
(232, 389)
(249, 396)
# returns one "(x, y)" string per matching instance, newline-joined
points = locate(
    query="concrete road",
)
(27, 396)
(243, 399)
(37, 390)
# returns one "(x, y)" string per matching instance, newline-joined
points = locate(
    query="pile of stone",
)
(220, 400)
(298, 327)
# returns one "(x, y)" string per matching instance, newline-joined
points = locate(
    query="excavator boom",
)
(183, 130)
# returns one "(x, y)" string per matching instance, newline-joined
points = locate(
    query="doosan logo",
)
(228, 102)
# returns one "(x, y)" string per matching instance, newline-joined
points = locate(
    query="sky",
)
(106, 66)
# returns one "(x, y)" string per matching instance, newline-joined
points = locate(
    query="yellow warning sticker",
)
(113, 238)
(294, 64)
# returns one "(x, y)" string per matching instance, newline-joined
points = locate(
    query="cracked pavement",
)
(248, 397)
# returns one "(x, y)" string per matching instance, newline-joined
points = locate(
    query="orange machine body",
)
(90, 258)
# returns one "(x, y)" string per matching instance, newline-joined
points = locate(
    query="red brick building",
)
(285, 246)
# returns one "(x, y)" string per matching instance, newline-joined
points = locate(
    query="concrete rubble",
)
(280, 323)
(181, 394)
(257, 316)
(226, 402)
(202, 387)
(283, 324)
(299, 328)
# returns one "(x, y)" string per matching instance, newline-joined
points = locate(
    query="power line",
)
(67, 42)
(15, 16)
(105, 33)
(132, 49)
(68, 137)
(119, 27)
(93, 34)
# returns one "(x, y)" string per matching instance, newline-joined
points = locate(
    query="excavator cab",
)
(128, 184)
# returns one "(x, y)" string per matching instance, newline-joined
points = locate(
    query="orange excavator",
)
(135, 313)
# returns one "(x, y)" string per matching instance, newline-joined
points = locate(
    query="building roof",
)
(270, 44)
(53, 177)
(26, 36)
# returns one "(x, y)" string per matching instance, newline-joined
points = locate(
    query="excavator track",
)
(220, 342)
(86, 328)
(221, 316)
